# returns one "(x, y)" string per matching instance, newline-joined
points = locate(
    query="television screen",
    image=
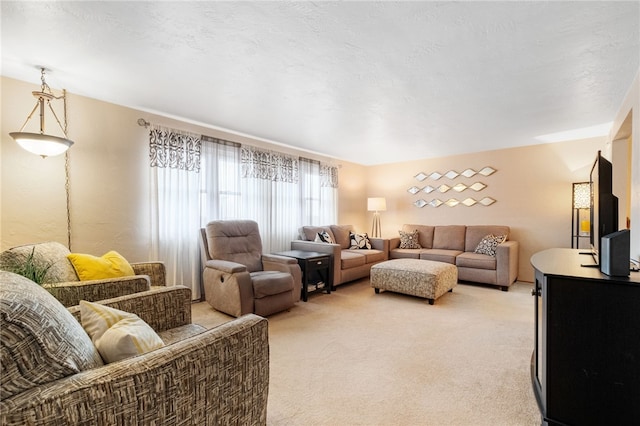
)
(604, 205)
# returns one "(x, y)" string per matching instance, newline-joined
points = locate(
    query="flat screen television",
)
(604, 205)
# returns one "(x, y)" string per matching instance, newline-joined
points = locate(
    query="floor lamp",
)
(376, 205)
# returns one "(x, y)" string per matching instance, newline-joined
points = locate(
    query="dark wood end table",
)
(316, 269)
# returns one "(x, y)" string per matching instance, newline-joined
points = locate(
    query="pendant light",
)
(43, 144)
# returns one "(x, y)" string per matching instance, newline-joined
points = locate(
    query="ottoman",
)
(416, 277)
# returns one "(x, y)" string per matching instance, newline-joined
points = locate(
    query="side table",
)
(316, 271)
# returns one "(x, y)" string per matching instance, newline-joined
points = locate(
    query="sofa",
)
(200, 377)
(348, 263)
(62, 281)
(457, 244)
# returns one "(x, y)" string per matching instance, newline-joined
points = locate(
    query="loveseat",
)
(62, 281)
(201, 377)
(348, 263)
(495, 263)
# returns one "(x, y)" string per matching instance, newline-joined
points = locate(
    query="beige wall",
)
(109, 192)
(627, 122)
(532, 187)
(109, 176)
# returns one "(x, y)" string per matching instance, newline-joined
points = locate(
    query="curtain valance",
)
(269, 165)
(169, 148)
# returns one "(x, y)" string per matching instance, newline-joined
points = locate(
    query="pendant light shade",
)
(41, 143)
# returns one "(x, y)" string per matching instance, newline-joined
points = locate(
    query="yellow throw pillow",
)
(117, 334)
(110, 265)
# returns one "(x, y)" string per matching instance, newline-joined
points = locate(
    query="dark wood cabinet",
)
(316, 271)
(585, 367)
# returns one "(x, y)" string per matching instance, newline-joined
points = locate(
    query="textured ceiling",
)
(367, 82)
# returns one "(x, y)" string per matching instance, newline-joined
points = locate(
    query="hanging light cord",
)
(67, 172)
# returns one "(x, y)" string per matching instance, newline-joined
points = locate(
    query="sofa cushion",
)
(359, 241)
(476, 261)
(475, 233)
(440, 255)
(117, 334)
(269, 283)
(449, 237)
(409, 240)
(341, 235)
(489, 243)
(48, 254)
(405, 253)
(425, 234)
(351, 259)
(40, 340)
(370, 256)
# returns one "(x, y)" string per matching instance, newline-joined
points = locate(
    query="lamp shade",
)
(42, 145)
(376, 204)
(581, 195)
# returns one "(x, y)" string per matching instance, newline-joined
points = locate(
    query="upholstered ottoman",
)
(416, 277)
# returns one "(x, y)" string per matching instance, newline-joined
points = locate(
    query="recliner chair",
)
(238, 278)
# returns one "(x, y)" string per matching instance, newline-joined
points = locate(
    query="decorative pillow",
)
(359, 241)
(489, 243)
(110, 265)
(40, 340)
(324, 237)
(117, 334)
(409, 240)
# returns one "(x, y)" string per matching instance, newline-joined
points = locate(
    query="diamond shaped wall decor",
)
(420, 203)
(452, 202)
(452, 174)
(428, 189)
(413, 190)
(460, 187)
(420, 176)
(444, 188)
(435, 203)
(487, 171)
(487, 201)
(469, 173)
(478, 186)
(435, 175)
(469, 202)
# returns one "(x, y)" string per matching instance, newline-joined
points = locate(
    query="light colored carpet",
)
(359, 358)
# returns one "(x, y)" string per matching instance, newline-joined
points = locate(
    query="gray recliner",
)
(238, 278)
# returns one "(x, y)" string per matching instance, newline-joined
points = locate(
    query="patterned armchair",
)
(62, 281)
(51, 375)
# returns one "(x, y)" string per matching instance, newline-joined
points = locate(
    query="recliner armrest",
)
(225, 266)
(278, 259)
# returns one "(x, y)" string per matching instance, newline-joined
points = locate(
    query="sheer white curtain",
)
(270, 195)
(220, 192)
(196, 179)
(175, 204)
(328, 194)
(318, 193)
